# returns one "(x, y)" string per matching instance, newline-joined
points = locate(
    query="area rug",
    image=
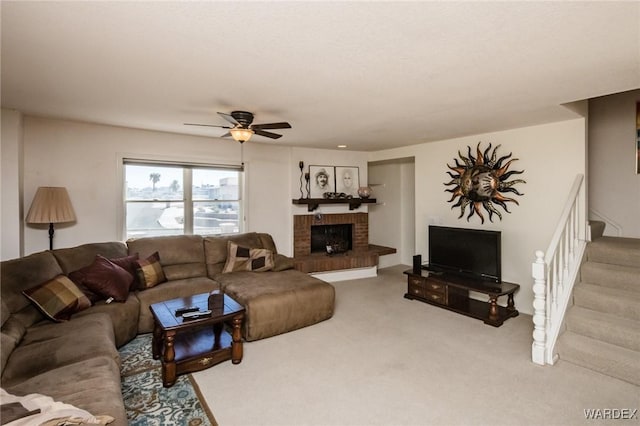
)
(149, 403)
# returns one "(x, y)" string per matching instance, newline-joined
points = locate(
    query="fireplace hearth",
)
(310, 253)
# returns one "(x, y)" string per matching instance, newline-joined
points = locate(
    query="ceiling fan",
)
(243, 128)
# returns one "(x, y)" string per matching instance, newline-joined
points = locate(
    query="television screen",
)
(469, 252)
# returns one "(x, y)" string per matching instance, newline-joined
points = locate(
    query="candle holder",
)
(307, 177)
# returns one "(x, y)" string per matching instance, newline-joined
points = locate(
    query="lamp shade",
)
(241, 134)
(51, 205)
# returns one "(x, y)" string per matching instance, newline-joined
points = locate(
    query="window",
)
(173, 199)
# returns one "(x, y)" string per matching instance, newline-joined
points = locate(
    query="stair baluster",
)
(554, 273)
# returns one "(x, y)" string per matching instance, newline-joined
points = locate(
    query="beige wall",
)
(551, 157)
(11, 200)
(86, 159)
(614, 186)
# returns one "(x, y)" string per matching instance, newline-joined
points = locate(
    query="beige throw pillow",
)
(247, 259)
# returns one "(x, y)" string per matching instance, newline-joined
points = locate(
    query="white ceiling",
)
(372, 75)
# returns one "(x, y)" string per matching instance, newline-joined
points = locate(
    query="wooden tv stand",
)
(451, 292)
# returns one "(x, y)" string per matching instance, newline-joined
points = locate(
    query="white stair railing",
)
(555, 272)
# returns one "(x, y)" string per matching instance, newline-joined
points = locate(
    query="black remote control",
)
(196, 315)
(187, 309)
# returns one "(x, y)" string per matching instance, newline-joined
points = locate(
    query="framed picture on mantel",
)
(322, 180)
(347, 180)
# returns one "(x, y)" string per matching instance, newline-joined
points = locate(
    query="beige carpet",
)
(386, 360)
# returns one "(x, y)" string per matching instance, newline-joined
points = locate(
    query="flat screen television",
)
(471, 253)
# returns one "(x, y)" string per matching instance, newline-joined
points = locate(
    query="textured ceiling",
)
(372, 75)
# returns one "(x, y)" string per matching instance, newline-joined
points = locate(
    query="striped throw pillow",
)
(58, 298)
(150, 272)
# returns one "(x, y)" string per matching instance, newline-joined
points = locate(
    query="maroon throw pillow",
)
(78, 278)
(107, 279)
(129, 264)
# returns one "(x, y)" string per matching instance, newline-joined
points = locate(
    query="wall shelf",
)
(313, 203)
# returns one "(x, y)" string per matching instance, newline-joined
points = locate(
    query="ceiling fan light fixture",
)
(240, 134)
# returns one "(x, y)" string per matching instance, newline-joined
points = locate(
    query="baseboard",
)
(347, 274)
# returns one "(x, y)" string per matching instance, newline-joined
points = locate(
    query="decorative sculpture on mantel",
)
(480, 182)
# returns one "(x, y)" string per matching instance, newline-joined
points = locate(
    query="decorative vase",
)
(364, 192)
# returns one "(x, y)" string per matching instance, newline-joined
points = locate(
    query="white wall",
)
(614, 186)
(11, 199)
(392, 219)
(551, 156)
(85, 158)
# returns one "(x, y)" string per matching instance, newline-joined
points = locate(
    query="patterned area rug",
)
(149, 403)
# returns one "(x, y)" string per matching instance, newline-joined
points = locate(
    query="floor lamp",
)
(51, 205)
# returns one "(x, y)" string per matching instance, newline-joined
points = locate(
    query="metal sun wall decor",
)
(480, 182)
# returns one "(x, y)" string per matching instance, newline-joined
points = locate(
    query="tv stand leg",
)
(493, 309)
(510, 304)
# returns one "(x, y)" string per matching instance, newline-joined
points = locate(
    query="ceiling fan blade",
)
(226, 135)
(229, 118)
(282, 125)
(266, 134)
(206, 125)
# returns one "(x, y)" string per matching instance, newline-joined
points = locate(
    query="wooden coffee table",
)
(184, 346)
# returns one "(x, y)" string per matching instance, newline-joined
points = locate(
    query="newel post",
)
(538, 271)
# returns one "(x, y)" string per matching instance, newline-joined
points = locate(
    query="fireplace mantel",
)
(313, 203)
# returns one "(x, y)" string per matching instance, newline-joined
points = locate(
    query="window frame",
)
(187, 167)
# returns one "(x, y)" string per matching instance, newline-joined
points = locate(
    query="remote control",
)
(196, 315)
(182, 311)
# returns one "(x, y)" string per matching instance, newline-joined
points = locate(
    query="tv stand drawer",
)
(425, 288)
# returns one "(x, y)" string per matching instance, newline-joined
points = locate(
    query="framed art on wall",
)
(322, 180)
(347, 180)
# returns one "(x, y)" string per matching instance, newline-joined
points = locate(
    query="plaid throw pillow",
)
(58, 298)
(246, 259)
(150, 272)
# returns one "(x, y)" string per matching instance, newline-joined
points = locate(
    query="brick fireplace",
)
(360, 255)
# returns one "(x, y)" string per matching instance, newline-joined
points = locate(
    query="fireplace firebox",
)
(331, 239)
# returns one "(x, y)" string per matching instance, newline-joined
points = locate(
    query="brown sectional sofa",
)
(77, 361)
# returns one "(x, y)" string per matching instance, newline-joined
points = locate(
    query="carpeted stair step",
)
(605, 327)
(615, 250)
(608, 275)
(622, 303)
(612, 360)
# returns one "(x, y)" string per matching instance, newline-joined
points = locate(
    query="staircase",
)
(602, 327)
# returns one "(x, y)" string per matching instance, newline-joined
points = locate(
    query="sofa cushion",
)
(74, 258)
(80, 384)
(266, 241)
(170, 290)
(104, 279)
(48, 345)
(4, 313)
(278, 302)
(21, 274)
(58, 298)
(282, 263)
(181, 256)
(150, 272)
(247, 259)
(124, 317)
